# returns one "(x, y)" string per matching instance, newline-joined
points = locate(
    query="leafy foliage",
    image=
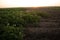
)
(12, 22)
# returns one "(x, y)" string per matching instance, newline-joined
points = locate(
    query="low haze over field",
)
(28, 3)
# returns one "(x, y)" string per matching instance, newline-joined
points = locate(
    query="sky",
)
(28, 3)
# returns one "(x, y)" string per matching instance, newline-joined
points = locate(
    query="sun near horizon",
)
(28, 3)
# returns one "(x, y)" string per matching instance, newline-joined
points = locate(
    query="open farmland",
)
(41, 23)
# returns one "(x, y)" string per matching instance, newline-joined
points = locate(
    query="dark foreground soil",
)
(49, 28)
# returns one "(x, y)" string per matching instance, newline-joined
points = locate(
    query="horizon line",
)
(30, 7)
